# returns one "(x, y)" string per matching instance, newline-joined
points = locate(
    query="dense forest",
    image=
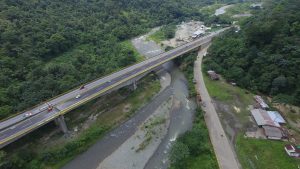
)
(265, 55)
(49, 46)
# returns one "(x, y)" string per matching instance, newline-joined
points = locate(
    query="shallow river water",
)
(181, 117)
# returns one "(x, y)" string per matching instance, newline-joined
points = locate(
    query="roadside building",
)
(273, 133)
(261, 102)
(262, 118)
(292, 151)
(213, 75)
(270, 122)
(198, 33)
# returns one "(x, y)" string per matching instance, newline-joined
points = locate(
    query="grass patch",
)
(210, 10)
(264, 154)
(223, 91)
(128, 45)
(216, 89)
(236, 98)
(34, 154)
(165, 32)
(157, 36)
(238, 8)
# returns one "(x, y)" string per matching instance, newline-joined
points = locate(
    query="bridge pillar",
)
(199, 48)
(134, 85)
(60, 121)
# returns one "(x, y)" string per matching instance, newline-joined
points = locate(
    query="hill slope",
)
(265, 55)
(50, 46)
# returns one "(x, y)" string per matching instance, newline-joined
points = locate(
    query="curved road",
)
(223, 150)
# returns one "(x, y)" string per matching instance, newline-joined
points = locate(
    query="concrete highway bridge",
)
(22, 124)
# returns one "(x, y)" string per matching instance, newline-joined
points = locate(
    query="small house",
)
(213, 75)
(292, 151)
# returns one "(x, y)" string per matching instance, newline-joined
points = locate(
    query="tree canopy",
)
(48, 47)
(265, 55)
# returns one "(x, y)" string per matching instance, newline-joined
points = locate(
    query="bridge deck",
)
(18, 126)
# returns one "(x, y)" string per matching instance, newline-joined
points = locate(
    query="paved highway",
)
(18, 126)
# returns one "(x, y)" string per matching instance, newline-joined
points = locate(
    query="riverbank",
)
(137, 149)
(125, 138)
(193, 149)
(49, 148)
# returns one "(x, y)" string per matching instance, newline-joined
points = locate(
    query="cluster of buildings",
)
(269, 121)
(272, 124)
(200, 32)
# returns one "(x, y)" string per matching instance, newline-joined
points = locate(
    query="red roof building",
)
(292, 151)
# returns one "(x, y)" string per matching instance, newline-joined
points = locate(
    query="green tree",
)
(179, 153)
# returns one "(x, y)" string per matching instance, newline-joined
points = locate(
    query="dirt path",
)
(224, 152)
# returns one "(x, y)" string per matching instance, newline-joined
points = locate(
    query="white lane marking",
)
(153, 51)
(26, 125)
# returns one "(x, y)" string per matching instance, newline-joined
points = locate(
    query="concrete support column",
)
(199, 48)
(134, 85)
(60, 120)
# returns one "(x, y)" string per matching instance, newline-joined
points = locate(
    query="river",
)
(181, 117)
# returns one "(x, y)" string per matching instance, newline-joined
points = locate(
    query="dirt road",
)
(224, 152)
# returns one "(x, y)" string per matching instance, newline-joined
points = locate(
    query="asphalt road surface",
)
(224, 152)
(18, 126)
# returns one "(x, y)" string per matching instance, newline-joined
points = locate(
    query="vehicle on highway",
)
(27, 115)
(78, 96)
(82, 87)
(43, 108)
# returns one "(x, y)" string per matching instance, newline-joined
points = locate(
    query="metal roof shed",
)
(273, 133)
(262, 118)
(275, 116)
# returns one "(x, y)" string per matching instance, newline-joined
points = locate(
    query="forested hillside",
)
(265, 55)
(50, 46)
